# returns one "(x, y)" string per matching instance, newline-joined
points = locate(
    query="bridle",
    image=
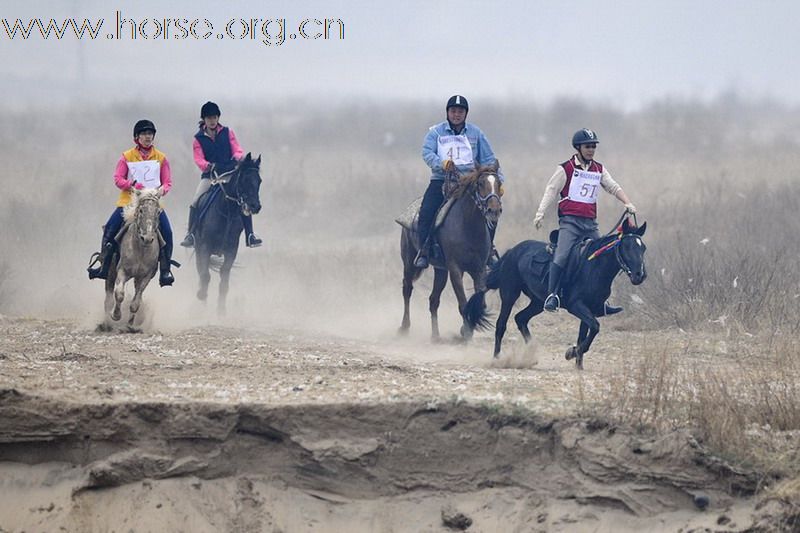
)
(231, 178)
(140, 213)
(483, 201)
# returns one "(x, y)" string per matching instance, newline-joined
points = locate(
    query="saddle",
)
(409, 219)
(205, 202)
(545, 256)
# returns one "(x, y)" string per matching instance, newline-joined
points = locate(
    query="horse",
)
(465, 241)
(137, 257)
(585, 292)
(219, 230)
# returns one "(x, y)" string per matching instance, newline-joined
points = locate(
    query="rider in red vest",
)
(215, 148)
(577, 181)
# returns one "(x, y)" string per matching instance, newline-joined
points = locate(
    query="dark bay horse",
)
(465, 241)
(219, 231)
(584, 294)
(137, 258)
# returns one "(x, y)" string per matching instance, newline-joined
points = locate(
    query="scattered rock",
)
(454, 519)
(701, 501)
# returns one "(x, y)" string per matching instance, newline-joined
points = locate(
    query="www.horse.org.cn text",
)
(268, 31)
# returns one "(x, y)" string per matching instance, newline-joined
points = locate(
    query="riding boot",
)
(553, 302)
(188, 241)
(103, 257)
(165, 277)
(251, 240)
(421, 260)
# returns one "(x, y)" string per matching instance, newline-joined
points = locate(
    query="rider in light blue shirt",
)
(481, 153)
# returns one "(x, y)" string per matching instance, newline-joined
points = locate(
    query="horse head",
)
(484, 186)
(146, 210)
(248, 183)
(630, 252)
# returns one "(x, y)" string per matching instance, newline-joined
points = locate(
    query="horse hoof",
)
(402, 331)
(571, 353)
(466, 333)
(579, 363)
(202, 296)
(116, 315)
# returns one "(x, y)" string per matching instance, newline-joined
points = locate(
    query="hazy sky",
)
(623, 53)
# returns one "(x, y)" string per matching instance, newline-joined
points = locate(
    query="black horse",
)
(523, 269)
(219, 230)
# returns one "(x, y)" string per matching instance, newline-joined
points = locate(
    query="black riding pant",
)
(431, 202)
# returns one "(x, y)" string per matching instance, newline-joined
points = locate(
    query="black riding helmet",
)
(209, 109)
(143, 125)
(457, 101)
(584, 136)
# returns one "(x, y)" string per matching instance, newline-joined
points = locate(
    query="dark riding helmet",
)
(143, 125)
(209, 109)
(457, 101)
(584, 136)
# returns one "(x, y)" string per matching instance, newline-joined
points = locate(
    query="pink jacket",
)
(200, 159)
(121, 175)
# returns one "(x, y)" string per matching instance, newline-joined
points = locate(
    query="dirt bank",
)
(232, 430)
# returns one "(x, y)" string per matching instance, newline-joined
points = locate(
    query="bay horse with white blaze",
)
(465, 240)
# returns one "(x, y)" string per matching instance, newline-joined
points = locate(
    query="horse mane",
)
(129, 211)
(468, 180)
(599, 243)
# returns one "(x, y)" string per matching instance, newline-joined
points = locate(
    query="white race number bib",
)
(584, 186)
(148, 173)
(455, 147)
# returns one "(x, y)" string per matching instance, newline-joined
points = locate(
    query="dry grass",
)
(746, 410)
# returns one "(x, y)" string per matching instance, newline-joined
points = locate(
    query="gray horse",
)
(138, 253)
(465, 242)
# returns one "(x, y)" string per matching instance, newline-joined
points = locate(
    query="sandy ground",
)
(223, 429)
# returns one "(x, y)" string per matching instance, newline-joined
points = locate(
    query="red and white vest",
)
(583, 202)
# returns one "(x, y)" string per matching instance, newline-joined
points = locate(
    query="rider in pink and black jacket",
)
(215, 149)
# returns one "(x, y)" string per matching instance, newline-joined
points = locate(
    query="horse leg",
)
(119, 294)
(523, 317)
(589, 329)
(457, 281)
(108, 305)
(202, 260)
(439, 283)
(224, 282)
(508, 297)
(408, 287)
(139, 284)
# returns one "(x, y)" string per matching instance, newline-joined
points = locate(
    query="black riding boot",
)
(103, 257)
(251, 240)
(165, 262)
(553, 302)
(188, 241)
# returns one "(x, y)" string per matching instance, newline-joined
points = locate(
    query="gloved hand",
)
(537, 220)
(630, 208)
(210, 169)
(448, 165)
(136, 185)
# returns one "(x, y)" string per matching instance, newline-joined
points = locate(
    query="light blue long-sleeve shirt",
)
(481, 150)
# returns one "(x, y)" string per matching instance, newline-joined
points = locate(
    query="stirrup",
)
(421, 261)
(253, 241)
(166, 279)
(188, 241)
(96, 258)
(555, 303)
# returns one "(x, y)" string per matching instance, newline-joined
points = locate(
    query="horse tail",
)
(475, 314)
(493, 278)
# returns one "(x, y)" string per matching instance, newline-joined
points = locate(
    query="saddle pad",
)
(205, 202)
(408, 217)
(442, 213)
